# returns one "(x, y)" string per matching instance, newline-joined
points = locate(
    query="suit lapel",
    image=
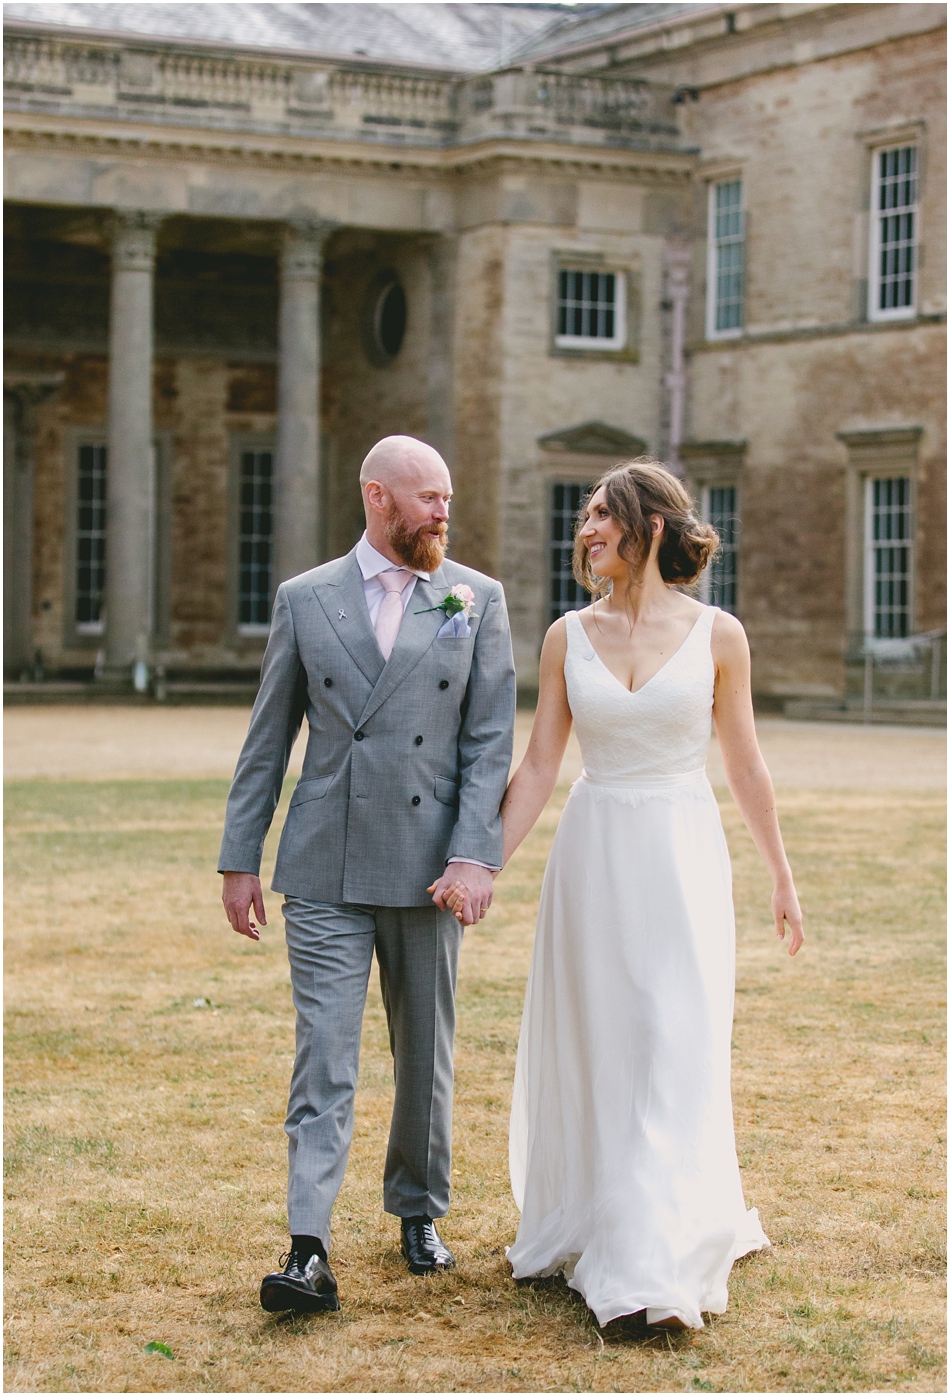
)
(345, 605)
(419, 627)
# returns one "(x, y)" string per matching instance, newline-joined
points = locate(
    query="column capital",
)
(301, 253)
(28, 390)
(133, 238)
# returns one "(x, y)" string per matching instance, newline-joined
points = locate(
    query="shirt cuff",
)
(492, 867)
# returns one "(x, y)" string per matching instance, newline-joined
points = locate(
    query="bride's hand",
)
(455, 901)
(785, 909)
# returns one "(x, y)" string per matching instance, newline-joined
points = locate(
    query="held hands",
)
(465, 889)
(785, 908)
(455, 902)
(242, 891)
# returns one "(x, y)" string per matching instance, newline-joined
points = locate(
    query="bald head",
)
(398, 460)
(406, 491)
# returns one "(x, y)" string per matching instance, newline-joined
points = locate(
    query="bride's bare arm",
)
(533, 783)
(746, 771)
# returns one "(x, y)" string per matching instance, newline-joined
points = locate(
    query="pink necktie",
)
(390, 612)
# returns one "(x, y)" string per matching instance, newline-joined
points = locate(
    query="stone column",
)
(130, 504)
(23, 393)
(297, 482)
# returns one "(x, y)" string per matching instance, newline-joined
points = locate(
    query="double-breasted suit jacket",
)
(406, 760)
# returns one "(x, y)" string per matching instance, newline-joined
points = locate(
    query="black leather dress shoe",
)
(305, 1285)
(423, 1247)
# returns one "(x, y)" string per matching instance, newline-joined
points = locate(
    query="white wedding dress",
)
(622, 1150)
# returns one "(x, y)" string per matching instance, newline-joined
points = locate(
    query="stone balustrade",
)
(171, 85)
(563, 106)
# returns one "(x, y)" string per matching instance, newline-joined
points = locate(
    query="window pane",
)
(255, 538)
(896, 204)
(565, 594)
(890, 560)
(90, 578)
(587, 304)
(728, 256)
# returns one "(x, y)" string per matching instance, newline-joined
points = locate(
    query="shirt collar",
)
(371, 562)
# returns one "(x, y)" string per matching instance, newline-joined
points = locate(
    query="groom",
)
(401, 663)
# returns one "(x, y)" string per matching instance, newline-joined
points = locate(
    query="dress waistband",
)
(629, 780)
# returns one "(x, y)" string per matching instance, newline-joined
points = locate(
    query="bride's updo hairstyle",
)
(633, 493)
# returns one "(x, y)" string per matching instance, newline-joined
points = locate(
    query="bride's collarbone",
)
(635, 656)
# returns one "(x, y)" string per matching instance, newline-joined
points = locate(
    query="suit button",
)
(358, 736)
(418, 741)
(328, 683)
(443, 683)
(417, 799)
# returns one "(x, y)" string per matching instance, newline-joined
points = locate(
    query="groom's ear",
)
(376, 497)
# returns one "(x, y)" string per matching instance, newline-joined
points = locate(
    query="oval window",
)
(391, 319)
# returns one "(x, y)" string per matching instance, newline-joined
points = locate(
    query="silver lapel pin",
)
(342, 615)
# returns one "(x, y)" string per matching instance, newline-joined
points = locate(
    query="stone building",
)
(244, 241)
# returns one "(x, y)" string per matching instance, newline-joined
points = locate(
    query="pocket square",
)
(455, 628)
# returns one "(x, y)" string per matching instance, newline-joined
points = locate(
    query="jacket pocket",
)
(312, 789)
(447, 791)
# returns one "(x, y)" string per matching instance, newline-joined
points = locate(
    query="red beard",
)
(418, 550)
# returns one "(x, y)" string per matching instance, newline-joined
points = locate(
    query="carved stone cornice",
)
(873, 437)
(641, 166)
(593, 438)
(493, 156)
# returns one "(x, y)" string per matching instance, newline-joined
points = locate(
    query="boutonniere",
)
(458, 602)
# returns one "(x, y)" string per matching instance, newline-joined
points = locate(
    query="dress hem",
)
(607, 1312)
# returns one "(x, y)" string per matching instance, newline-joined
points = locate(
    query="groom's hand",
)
(479, 889)
(242, 891)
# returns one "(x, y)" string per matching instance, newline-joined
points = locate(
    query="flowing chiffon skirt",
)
(622, 1148)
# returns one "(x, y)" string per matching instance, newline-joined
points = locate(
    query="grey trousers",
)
(331, 947)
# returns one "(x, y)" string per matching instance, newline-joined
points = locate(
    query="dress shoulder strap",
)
(578, 646)
(706, 621)
(576, 634)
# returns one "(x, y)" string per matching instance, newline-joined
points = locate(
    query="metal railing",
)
(906, 671)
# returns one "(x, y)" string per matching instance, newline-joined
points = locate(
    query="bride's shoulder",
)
(559, 630)
(728, 634)
(556, 634)
(554, 648)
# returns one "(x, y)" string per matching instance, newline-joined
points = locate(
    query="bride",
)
(622, 1150)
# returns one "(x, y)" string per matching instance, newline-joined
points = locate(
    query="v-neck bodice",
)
(659, 733)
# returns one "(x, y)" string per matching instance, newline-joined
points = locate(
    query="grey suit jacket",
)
(407, 760)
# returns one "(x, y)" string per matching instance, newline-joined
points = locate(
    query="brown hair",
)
(634, 492)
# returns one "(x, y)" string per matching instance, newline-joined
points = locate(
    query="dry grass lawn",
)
(148, 1056)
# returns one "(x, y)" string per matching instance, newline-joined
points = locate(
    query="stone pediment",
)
(593, 439)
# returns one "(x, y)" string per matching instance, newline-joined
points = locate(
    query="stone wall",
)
(478, 379)
(808, 364)
(547, 390)
(364, 397)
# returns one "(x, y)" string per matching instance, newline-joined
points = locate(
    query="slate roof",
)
(467, 37)
(589, 24)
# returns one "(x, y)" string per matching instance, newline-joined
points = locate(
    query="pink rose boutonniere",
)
(457, 606)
